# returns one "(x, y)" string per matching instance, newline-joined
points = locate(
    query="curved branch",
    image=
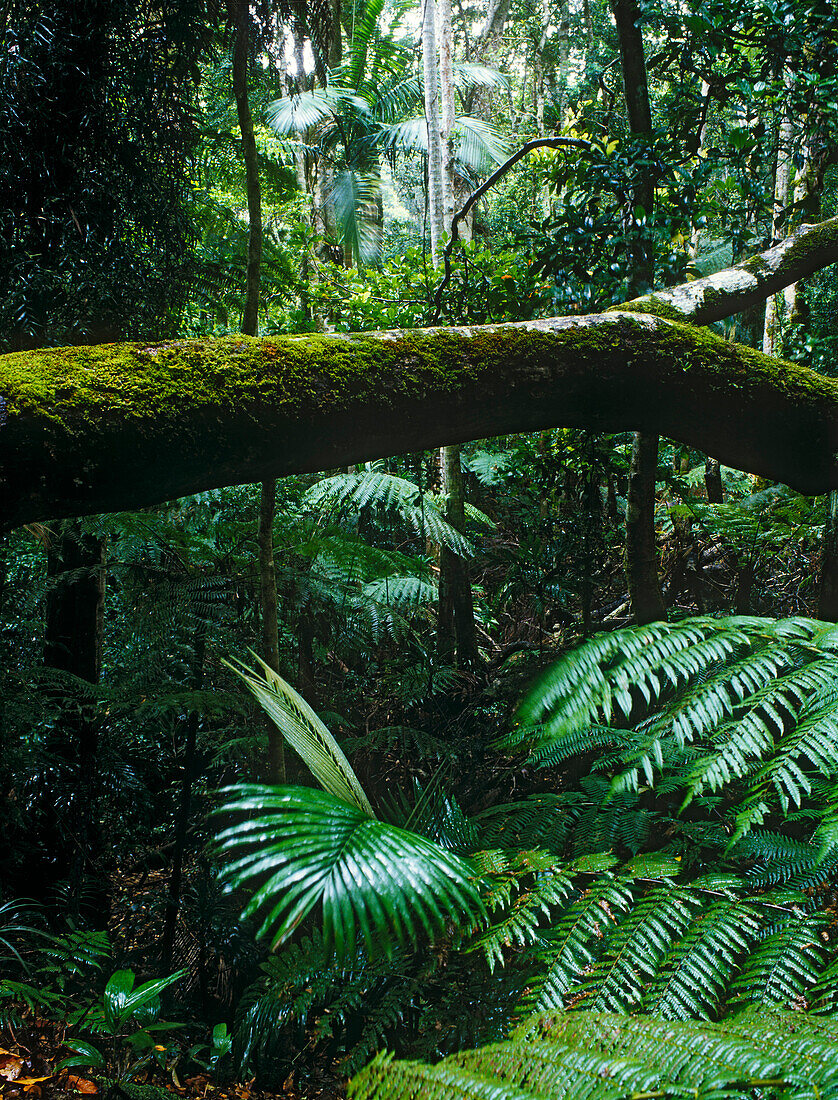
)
(479, 192)
(123, 426)
(809, 249)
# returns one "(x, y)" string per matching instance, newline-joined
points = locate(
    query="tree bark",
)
(173, 899)
(645, 596)
(270, 617)
(747, 284)
(436, 209)
(713, 481)
(72, 846)
(240, 13)
(828, 601)
(644, 587)
(107, 428)
(456, 634)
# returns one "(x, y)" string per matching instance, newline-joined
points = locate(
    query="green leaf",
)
(376, 885)
(306, 734)
(119, 986)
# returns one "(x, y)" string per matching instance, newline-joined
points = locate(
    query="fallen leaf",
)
(10, 1066)
(33, 1080)
(82, 1085)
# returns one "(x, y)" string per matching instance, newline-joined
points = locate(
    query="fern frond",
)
(573, 945)
(637, 948)
(603, 1056)
(379, 490)
(784, 966)
(695, 975)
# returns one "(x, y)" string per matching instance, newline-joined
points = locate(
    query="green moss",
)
(653, 305)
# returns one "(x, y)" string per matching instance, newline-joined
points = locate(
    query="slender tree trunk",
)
(270, 618)
(641, 553)
(456, 635)
(436, 205)
(73, 644)
(444, 39)
(167, 943)
(641, 558)
(713, 481)
(240, 10)
(771, 337)
(250, 327)
(828, 601)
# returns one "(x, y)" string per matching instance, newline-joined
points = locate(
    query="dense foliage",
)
(520, 845)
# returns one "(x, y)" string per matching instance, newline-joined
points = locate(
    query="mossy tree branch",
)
(738, 288)
(121, 426)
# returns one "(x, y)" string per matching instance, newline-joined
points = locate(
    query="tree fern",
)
(602, 1056)
(754, 700)
(385, 492)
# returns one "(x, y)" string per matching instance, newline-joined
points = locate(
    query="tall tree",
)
(241, 23)
(641, 556)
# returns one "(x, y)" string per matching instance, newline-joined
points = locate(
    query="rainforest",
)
(419, 549)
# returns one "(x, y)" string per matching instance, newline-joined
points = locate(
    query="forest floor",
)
(28, 1060)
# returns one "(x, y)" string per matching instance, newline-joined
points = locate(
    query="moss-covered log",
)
(112, 427)
(738, 288)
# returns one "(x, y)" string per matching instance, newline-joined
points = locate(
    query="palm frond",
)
(306, 734)
(376, 885)
(355, 197)
(480, 146)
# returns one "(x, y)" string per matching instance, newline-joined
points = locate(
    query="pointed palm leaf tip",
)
(378, 887)
(306, 734)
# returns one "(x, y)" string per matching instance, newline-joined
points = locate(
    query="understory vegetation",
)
(424, 777)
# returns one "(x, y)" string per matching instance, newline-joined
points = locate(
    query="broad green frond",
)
(378, 886)
(355, 196)
(602, 1056)
(470, 74)
(297, 113)
(480, 146)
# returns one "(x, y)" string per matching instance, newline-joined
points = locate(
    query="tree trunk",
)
(250, 327)
(828, 601)
(447, 109)
(641, 558)
(167, 943)
(436, 208)
(771, 339)
(241, 54)
(270, 619)
(73, 644)
(641, 554)
(456, 635)
(713, 481)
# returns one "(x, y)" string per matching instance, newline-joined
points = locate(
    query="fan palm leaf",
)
(378, 886)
